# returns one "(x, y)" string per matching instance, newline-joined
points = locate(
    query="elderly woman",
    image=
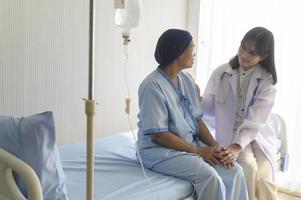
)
(172, 138)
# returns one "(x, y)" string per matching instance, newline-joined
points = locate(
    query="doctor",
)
(171, 129)
(240, 95)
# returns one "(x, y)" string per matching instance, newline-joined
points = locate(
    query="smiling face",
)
(248, 56)
(186, 59)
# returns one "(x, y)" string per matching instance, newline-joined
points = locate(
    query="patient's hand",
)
(230, 155)
(210, 154)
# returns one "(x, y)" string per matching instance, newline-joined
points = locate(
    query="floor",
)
(284, 196)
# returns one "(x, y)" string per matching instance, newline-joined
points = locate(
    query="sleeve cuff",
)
(155, 130)
(199, 117)
(240, 142)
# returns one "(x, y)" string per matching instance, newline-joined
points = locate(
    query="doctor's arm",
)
(257, 116)
(172, 141)
(256, 119)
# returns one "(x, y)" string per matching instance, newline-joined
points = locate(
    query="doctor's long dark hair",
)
(264, 41)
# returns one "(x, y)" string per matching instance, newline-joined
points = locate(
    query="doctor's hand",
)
(230, 155)
(210, 154)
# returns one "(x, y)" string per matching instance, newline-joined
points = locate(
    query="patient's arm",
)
(205, 135)
(171, 141)
(199, 92)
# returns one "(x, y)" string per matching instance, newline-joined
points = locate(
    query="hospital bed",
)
(118, 174)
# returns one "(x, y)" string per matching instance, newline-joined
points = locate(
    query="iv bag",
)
(127, 13)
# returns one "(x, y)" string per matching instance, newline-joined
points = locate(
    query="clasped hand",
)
(220, 155)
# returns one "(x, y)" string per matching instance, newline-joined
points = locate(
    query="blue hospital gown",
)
(164, 107)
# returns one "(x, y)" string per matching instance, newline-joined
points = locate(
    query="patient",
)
(172, 138)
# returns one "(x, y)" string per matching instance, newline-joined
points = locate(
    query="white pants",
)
(258, 173)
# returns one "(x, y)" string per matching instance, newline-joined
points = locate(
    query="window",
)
(222, 24)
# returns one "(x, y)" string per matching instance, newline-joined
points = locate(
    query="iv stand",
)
(90, 110)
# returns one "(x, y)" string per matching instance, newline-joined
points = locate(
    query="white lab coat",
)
(219, 100)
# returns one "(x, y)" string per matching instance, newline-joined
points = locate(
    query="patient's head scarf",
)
(171, 44)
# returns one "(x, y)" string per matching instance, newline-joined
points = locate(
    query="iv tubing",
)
(127, 110)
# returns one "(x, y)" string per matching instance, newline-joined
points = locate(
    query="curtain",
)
(222, 25)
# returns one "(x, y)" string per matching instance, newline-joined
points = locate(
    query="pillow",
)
(9, 137)
(32, 139)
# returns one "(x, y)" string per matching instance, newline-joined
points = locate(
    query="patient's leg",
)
(234, 181)
(206, 181)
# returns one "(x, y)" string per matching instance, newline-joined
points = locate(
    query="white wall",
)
(44, 60)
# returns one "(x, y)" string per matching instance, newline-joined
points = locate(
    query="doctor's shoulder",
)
(266, 76)
(220, 70)
(224, 66)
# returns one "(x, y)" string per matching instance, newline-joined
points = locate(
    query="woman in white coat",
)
(240, 95)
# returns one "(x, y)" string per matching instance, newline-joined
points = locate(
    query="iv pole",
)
(90, 105)
(90, 110)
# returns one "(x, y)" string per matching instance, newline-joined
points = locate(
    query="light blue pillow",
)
(9, 137)
(32, 139)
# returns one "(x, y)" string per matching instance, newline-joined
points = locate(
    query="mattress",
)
(118, 174)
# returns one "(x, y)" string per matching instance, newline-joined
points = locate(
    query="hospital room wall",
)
(44, 60)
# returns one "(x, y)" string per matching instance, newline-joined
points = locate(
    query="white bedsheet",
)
(118, 175)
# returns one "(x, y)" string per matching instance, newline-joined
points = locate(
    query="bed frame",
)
(10, 163)
(8, 187)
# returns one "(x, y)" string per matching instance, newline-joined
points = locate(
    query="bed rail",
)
(8, 187)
